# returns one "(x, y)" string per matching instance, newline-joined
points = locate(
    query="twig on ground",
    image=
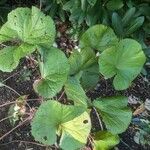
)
(10, 76)
(10, 131)
(126, 144)
(9, 103)
(11, 89)
(99, 120)
(13, 102)
(5, 118)
(16, 141)
(62, 94)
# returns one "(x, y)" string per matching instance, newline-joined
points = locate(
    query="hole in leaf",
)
(41, 20)
(45, 138)
(85, 121)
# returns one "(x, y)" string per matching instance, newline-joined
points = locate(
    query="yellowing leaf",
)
(79, 128)
(71, 123)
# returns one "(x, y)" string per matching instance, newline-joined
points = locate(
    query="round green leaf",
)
(30, 26)
(98, 37)
(124, 61)
(115, 113)
(104, 140)
(54, 69)
(53, 118)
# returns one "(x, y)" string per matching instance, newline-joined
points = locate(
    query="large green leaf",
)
(98, 37)
(30, 26)
(75, 92)
(81, 60)
(54, 68)
(124, 61)
(28, 29)
(114, 112)
(104, 140)
(68, 122)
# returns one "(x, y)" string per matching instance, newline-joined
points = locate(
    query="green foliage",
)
(75, 92)
(127, 18)
(98, 37)
(112, 61)
(124, 61)
(65, 125)
(54, 8)
(53, 118)
(29, 29)
(104, 140)
(54, 68)
(80, 61)
(115, 113)
(90, 77)
(114, 4)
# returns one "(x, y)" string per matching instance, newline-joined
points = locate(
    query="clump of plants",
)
(68, 126)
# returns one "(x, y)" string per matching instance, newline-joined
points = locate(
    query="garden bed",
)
(74, 69)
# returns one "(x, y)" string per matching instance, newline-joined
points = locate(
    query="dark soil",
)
(6, 95)
(140, 89)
